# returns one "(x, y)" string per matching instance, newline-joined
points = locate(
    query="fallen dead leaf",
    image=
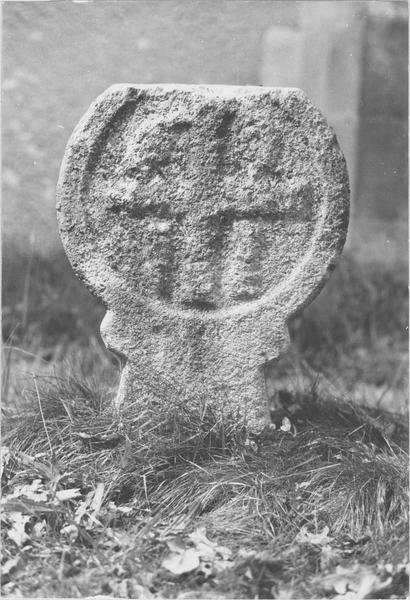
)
(97, 500)
(9, 565)
(70, 494)
(82, 507)
(206, 557)
(356, 582)
(183, 562)
(318, 539)
(286, 424)
(34, 491)
(284, 592)
(214, 558)
(38, 529)
(5, 457)
(208, 550)
(71, 531)
(17, 531)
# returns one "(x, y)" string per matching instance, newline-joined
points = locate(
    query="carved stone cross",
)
(203, 217)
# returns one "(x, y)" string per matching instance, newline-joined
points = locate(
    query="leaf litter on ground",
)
(202, 555)
(202, 502)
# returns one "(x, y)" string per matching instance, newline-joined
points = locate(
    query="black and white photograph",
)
(205, 299)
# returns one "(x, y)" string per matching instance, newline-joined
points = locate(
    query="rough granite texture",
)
(203, 217)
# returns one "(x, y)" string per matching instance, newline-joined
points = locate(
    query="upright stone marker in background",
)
(203, 217)
(351, 58)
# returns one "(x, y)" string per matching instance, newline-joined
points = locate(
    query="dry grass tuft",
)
(336, 466)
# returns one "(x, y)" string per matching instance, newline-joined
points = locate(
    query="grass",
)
(45, 307)
(358, 326)
(96, 501)
(334, 470)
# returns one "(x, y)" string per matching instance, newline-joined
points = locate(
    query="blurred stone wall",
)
(350, 57)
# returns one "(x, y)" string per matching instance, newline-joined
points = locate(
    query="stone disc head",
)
(214, 199)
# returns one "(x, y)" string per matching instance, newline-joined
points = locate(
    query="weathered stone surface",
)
(203, 218)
